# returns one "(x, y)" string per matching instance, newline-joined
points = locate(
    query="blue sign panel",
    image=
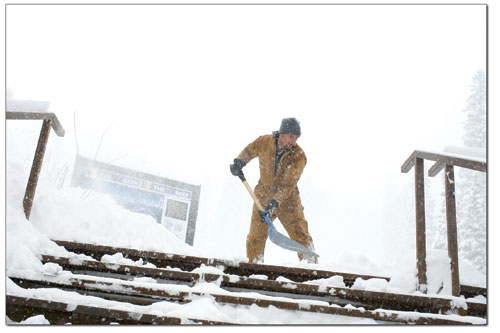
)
(172, 203)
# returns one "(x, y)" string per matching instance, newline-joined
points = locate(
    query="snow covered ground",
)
(62, 212)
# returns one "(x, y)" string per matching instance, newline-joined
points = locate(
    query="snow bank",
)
(67, 213)
(98, 219)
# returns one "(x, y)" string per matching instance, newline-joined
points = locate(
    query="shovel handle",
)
(254, 197)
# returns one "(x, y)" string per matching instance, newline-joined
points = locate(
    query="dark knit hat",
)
(290, 126)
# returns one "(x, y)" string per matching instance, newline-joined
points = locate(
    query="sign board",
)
(172, 203)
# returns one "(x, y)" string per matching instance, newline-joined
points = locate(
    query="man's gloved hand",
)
(236, 167)
(271, 206)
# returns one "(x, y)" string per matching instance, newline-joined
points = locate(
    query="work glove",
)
(271, 206)
(236, 167)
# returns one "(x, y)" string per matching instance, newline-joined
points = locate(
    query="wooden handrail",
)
(49, 120)
(441, 160)
(448, 161)
(23, 115)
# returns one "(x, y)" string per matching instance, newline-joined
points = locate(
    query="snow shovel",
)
(274, 235)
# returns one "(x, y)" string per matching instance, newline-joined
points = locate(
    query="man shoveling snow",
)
(281, 163)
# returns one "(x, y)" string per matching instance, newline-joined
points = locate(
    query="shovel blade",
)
(289, 244)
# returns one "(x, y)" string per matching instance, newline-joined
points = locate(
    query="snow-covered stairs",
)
(137, 289)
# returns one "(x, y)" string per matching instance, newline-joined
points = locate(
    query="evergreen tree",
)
(475, 110)
(470, 184)
(470, 187)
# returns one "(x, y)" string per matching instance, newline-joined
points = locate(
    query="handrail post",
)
(36, 168)
(420, 225)
(451, 224)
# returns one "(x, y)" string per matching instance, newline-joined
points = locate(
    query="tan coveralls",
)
(281, 186)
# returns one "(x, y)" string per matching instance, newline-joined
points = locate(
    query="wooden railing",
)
(49, 120)
(446, 161)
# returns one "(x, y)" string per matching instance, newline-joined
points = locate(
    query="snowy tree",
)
(470, 184)
(475, 125)
(470, 188)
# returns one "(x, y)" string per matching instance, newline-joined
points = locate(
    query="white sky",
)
(359, 78)
(185, 88)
